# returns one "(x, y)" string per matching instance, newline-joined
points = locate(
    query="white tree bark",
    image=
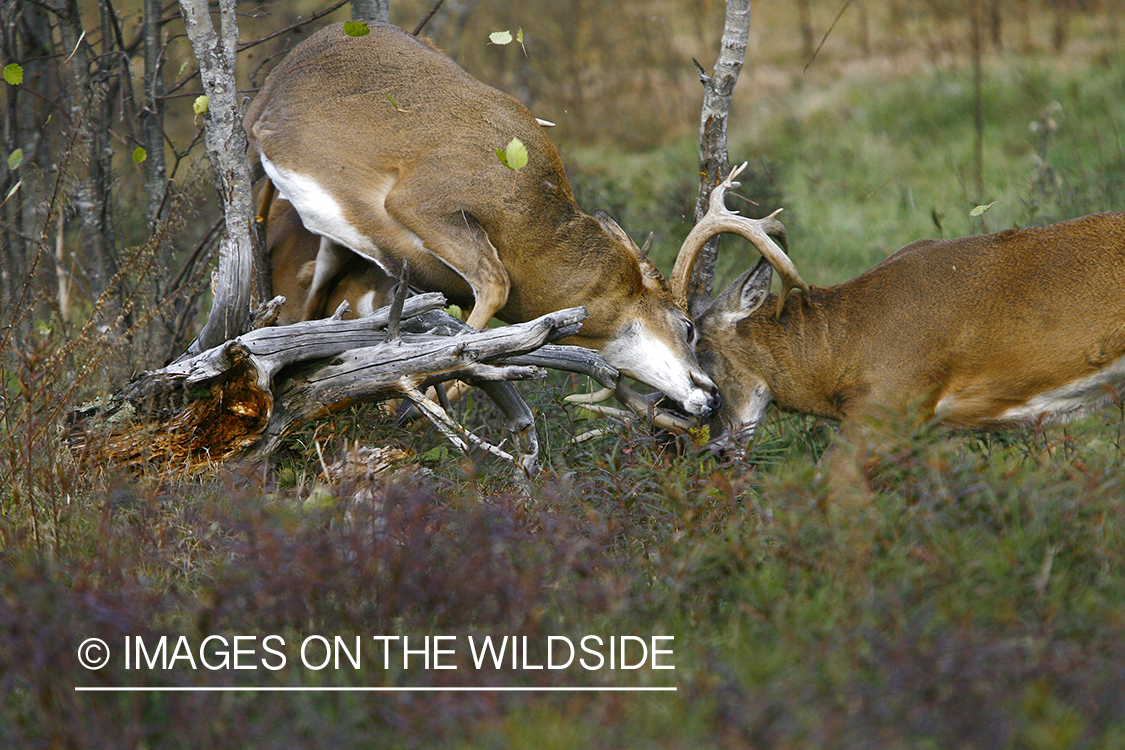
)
(714, 162)
(371, 10)
(226, 149)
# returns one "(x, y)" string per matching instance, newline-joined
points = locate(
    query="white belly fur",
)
(319, 211)
(323, 215)
(1094, 391)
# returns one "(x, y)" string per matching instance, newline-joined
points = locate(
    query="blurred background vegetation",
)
(858, 119)
(979, 604)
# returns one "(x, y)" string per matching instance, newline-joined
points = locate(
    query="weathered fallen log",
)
(238, 401)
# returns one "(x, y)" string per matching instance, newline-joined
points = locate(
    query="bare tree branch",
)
(714, 163)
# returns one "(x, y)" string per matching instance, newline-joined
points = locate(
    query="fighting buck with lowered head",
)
(388, 148)
(1013, 327)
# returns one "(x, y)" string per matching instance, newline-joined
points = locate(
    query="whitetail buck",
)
(1014, 327)
(388, 148)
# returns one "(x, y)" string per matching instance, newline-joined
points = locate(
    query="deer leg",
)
(844, 468)
(459, 242)
(330, 260)
(849, 501)
(455, 237)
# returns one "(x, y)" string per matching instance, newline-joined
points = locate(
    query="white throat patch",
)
(636, 352)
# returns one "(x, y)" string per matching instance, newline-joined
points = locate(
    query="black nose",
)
(714, 400)
(713, 403)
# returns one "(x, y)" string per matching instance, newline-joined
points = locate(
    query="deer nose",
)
(714, 399)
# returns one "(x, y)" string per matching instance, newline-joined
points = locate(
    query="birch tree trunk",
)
(152, 114)
(371, 10)
(714, 162)
(226, 149)
(85, 96)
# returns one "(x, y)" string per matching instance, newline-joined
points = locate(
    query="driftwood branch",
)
(239, 400)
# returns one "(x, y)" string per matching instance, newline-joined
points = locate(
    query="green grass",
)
(863, 167)
(978, 603)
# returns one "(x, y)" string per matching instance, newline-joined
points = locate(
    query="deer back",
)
(1013, 326)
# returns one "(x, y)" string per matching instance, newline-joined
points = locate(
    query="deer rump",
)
(391, 154)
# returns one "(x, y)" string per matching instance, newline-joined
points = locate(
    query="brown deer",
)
(293, 250)
(386, 147)
(1014, 327)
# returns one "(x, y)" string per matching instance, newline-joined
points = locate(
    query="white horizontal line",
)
(279, 689)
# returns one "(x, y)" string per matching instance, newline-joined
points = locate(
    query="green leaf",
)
(356, 28)
(500, 37)
(437, 453)
(981, 209)
(519, 35)
(15, 159)
(517, 154)
(513, 157)
(13, 74)
(139, 155)
(200, 104)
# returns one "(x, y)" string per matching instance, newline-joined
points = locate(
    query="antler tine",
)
(719, 194)
(720, 219)
(694, 242)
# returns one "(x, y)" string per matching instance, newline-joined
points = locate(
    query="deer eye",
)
(689, 331)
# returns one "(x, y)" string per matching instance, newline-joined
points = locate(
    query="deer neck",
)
(571, 264)
(809, 359)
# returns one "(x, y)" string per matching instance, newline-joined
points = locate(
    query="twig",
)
(453, 432)
(422, 24)
(825, 39)
(249, 45)
(395, 323)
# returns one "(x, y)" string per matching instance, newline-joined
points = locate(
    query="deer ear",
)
(745, 294)
(756, 287)
(614, 230)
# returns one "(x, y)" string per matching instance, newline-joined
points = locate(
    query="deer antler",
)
(720, 219)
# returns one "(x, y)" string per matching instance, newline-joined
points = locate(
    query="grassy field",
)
(978, 603)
